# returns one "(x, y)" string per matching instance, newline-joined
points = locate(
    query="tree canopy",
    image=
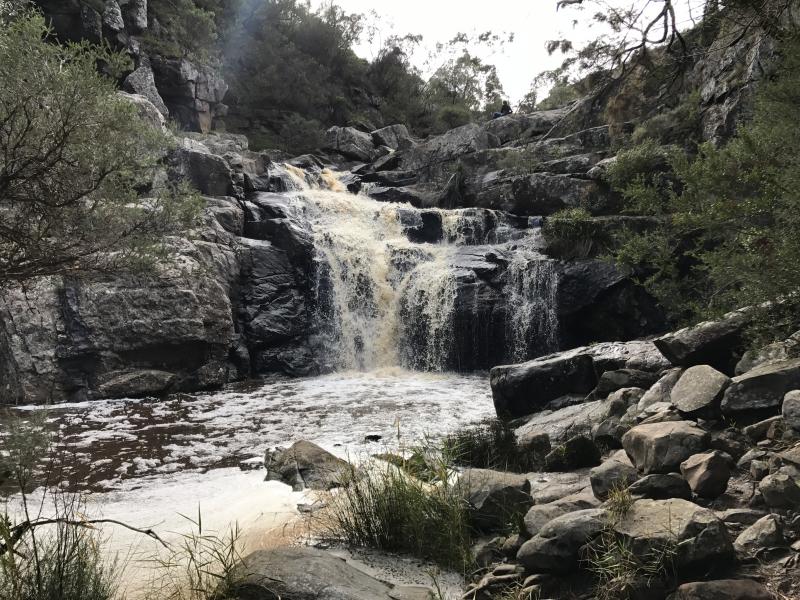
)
(74, 157)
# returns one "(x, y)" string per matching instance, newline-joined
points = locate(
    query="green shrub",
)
(63, 562)
(387, 509)
(730, 239)
(572, 233)
(450, 117)
(299, 135)
(679, 126)
(491, 444)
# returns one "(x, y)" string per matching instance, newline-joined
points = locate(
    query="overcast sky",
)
(533, 22)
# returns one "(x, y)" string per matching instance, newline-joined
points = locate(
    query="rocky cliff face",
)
(190, 93)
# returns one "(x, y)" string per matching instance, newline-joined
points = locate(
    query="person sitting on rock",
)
(504, 110)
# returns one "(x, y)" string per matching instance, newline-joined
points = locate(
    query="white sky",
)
(533, 22)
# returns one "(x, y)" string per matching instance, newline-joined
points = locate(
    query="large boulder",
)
(661, 486)
(141, 81)
(699, 537)
(541, 514)
(724, 589)
(662, 447)
(762, 388)
(618, 379)
(350, 143)
(556, 547)
(393, 136)
(193, 93)
(305, 465)
(526, 388)
(661, 390)
(699, 390)
(301, 573)
(791, 409)
(780, 490)
(495, 496)
(209, 173)
(715, 343)
(435, 157)
(617, 472)
(707, 473)
(767, 532)
(575, 453)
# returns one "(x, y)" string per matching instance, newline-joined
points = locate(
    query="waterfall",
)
(381, 300)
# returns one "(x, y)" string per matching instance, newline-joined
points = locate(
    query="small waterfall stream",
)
(382, 300)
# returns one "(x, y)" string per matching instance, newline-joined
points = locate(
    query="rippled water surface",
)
(103, 445)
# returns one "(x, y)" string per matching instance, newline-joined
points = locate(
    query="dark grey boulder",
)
(780, 490)
(616, 472)
(702, 539)
(716, 343)
(305, 465)
(707, 473)
(575, 453)
(350, 143)
(392, 136)
(556, 548)
(699, 390)
(662, 447)
(494, 497)
(725, 589)
(302, 573)
(661, 486)
(611, 381)
(762, 388)
(767, 532)
(520, 390)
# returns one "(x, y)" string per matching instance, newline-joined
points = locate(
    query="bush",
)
(730, 239)
(74, 156)
(299, 135)
(491, 444)
(387, 509)
(450, 117)
(679, 126)
(572, 233)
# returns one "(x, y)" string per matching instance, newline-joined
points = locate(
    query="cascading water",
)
(381, 300)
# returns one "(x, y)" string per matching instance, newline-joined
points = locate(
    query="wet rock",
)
(791, 409)
(207, 172)
(541, 514)
(523, 389)
(702, 539)
(662, 447)
(136, 384)
(726, 589)
(414, 196)
(661, 486)
(304, 573)
(393, 136)
(556, 547)
(767, 532)
(142, 82)
(577, 452)
(707, 474)
(350, 143)
(609, 433)
(780, 490)
(714, 343)
(762, 388)
(617, 472)
(611, 381)
(305, 465)
(494, 496)
(699, 390)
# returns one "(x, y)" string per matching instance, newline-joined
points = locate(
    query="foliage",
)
(387, 509)
(300, 135)
(621, 573)
(572, 233)
(202, 565)
(73, 159)
(64, 563)
(643, 174)
(491, 444)
(730, 239)
(185, 28)
(678, 126)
